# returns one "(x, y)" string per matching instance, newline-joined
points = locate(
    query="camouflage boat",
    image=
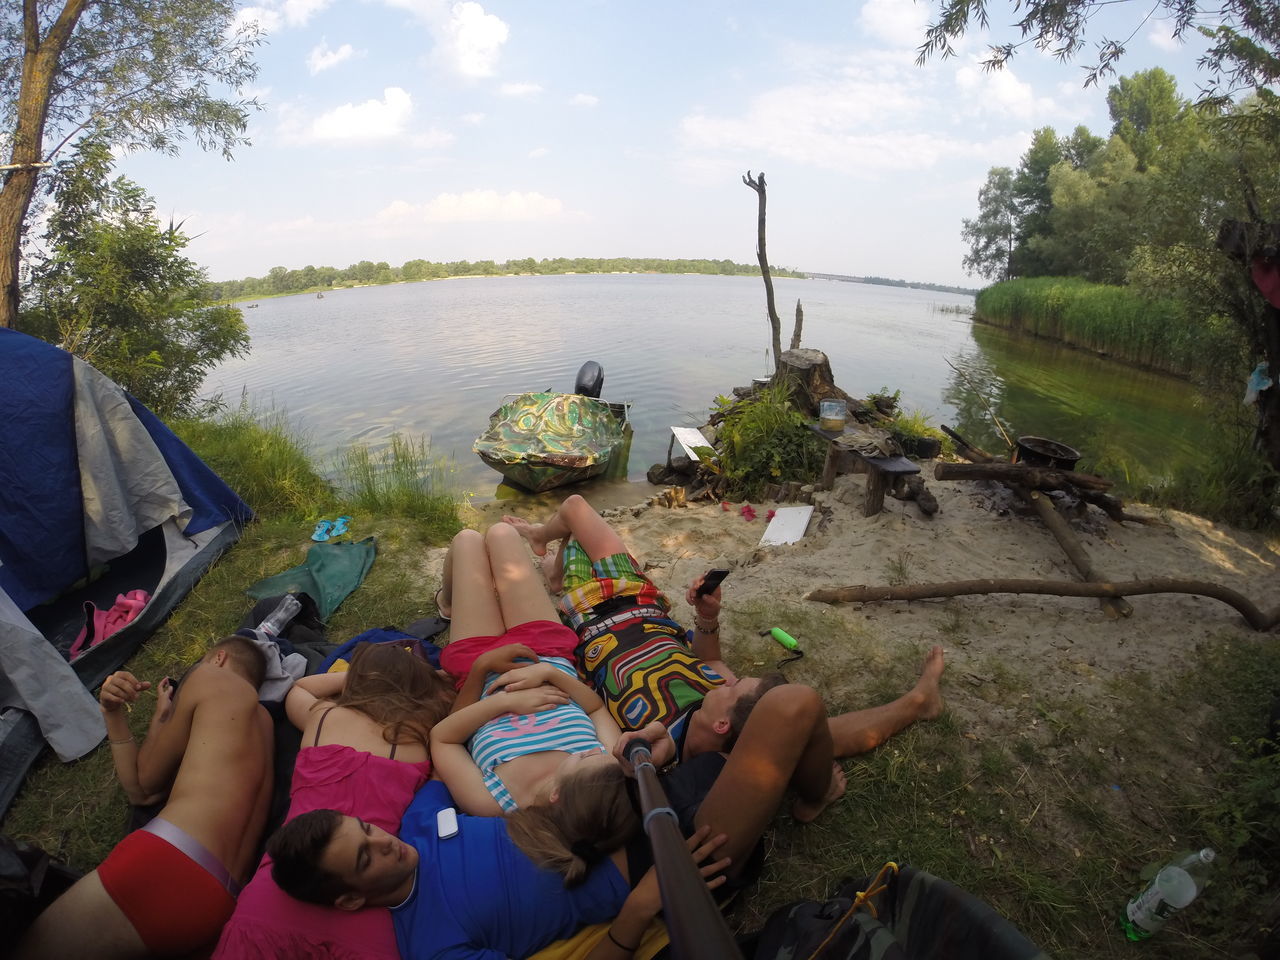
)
(545, 440)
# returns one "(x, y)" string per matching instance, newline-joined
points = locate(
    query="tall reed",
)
(403, 479)
(1154, 333)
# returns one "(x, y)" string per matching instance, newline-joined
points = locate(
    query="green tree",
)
(138, 73)
(992, 232)
(1148, 114)
(114, 288)
(1034, 198)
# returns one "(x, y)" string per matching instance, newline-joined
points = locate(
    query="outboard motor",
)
(590, 380)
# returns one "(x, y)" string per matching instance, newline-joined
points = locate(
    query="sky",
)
(394, 130)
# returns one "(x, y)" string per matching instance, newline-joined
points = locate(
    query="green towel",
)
(328, 575)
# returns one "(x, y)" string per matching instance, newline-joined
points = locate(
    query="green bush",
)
(764, 439)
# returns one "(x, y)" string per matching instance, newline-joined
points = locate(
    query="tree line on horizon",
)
(281, 280)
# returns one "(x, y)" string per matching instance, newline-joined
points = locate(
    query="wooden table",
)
(880, 470)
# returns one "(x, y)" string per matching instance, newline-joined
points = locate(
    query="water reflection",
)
(435, 359)
(1128, 424)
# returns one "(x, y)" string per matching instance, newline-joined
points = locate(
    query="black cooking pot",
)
(1039, 452)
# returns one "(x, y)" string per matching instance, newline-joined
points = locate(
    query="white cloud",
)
(538, 152)
(272, 15)
(895, 22)
(474, 206)
(373, 119)
(297, 13)
(433, 139)
(268, 21)
(474, 119)
(471, 40)
(1161, 37)
(322, 58)
(584, 100)
(520, 89)
(999, 93)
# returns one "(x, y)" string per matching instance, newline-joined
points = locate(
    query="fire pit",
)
(1039, 452)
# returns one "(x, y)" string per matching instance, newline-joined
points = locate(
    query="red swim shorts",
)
(546, 638)
(175, 904)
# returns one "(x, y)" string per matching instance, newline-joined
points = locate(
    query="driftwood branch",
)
(1038, 478)
(1115, 608)
(795, 332)
(1256, 618)
(1113, 507)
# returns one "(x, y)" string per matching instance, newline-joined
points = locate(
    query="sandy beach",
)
(1068, 645)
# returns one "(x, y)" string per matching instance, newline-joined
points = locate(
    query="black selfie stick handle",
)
(694, 922)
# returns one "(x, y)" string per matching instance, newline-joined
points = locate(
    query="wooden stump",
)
(808, 376)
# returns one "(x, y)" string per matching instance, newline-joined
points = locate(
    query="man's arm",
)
(161, 753)
(119, 691)
(706, 628)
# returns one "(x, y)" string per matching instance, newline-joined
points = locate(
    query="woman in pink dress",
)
(364, 753)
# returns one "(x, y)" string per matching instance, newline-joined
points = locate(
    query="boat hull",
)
(541, 441)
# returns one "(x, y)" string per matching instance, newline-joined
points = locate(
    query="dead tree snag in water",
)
(775, 324)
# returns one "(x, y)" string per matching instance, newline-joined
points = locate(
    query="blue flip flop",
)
(324, 530)
(339, 526)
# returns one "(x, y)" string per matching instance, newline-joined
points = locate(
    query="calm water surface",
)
(436, 358)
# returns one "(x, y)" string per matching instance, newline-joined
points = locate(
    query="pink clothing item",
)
(268, 923)
(100, 624)
(546, 638)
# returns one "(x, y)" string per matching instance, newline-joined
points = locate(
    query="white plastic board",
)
(787, 526)
(688, 438)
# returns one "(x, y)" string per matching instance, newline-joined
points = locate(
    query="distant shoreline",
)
(777, 272)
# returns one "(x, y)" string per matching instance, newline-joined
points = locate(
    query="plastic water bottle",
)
(1175, 886)
(279, 618)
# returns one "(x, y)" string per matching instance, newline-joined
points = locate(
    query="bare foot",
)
(806, 812)
(926, 687)
(533, 532)
(553, 574)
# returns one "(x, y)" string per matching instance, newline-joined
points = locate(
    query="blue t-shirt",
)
(478, 897)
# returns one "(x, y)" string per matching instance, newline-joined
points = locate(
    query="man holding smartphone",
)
(636, 657)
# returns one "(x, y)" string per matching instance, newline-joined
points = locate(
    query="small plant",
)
(884, 400)
(764, 440)
(403, 479)
(898, 570)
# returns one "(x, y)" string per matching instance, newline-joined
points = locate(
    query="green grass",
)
(1048, 808)
(1115, 320)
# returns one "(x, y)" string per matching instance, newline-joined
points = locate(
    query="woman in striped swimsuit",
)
(522, 719)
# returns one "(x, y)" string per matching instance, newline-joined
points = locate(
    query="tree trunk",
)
(39, 65)
(1255, 617)
(775, 323)
(1039, 478)
(795, 333)
(808, 376)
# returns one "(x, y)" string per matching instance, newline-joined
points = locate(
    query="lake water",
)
(436, 358)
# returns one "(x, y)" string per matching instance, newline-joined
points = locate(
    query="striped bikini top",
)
(565, 728)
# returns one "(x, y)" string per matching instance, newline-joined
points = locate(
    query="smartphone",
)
(711, 581)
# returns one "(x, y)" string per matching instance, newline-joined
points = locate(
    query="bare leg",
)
(861, 731)
(785, 742)
(83, 922)
(468, 589)
(554, 572)
(520, 592)
(573, 518)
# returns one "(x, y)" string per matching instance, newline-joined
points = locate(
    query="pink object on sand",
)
(100, 624)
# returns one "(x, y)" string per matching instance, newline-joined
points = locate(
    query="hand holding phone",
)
(712, 580)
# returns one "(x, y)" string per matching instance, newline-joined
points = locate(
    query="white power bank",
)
(447, 823)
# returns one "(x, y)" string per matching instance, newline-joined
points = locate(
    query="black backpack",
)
(901, 914)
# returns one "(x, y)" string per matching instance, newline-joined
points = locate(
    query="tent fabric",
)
(33, 675)
(97, 497)
(328, 575)
(81, 475)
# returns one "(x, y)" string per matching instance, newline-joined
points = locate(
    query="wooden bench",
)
(881, 471)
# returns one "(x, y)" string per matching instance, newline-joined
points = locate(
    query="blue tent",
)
(97, 498)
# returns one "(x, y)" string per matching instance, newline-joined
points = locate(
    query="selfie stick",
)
(694, 922)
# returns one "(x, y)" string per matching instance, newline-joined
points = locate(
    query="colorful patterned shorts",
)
(588, 584)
